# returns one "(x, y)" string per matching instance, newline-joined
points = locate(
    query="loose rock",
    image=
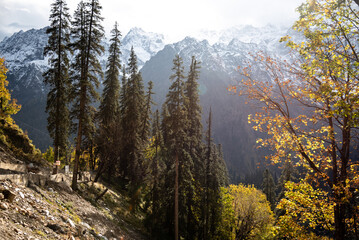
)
(4, 206)
(72, 224)
(55, 227)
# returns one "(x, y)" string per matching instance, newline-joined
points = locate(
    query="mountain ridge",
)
(219, 61)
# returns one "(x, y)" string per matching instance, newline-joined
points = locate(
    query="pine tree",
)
(108, 136)
(123, 91)
(157, 138)
(131, 153)
(208, 182)
(57, 77)
(110, 97)
(123, 125)
(216, 176)
(87, 33)
(268, 187)
(154, 220)
(221, 168)
(194, 110)
(288, 174)
(194, 146)
(175, 123)
(146, 118)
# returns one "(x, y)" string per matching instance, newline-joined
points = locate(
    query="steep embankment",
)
(55, 212)
(37, 205)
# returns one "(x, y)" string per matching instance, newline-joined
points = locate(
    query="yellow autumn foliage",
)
(246, 214)
(8, 106)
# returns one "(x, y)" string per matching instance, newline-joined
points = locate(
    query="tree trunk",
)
(79, 138)
(176, 199)
(339, 221)
(101, 195)
(99, 171)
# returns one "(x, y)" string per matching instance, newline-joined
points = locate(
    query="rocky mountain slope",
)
(35, 204)
(55, 212)
(219, 62)
(220, 53)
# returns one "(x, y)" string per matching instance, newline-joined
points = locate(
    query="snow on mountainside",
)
(23, 53)
(145, 44)
(220, 53)
(231, 48)
(24, 50)
(244, 33)
(222, 49)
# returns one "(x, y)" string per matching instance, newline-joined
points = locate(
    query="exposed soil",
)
(56, 212)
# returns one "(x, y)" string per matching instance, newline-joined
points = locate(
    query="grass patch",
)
(69, 206)
(39, 232)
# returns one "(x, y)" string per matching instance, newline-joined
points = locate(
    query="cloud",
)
(174, 18)
(17, 25)
(16, 15)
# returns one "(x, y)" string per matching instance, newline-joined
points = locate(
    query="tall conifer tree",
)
(175, 123)
(216, 176)
(57, 77)
(108, 137)
(131, 153)
(289, 173)
(194, 147)
(146, 118)
(123, 91)
(87, 33)
(268, 187)
(110, 97)
(154, 220)
(194, 110)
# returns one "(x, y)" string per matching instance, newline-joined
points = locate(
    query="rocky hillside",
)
(54, 212)
(37, 205)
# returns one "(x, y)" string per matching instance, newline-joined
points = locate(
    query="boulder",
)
(10, 196)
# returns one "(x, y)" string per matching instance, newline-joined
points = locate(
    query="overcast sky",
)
(174, 19)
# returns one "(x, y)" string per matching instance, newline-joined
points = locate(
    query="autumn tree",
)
(245, 214)
(307, 212)
(8, 106)
(57, 77)
(310, 105)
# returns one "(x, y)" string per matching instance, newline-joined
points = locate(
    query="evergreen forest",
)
(164, 158)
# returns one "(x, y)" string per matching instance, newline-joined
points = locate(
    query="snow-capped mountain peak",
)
(244, 33)
(145, 44)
